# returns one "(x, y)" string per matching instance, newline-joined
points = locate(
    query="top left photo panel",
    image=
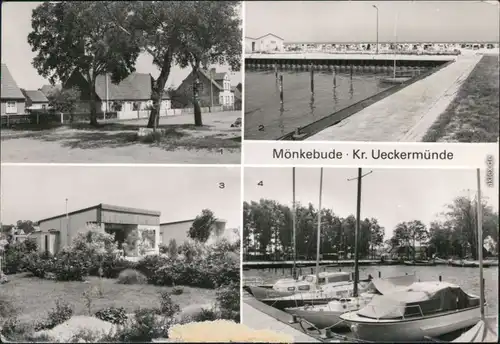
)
(148, 82)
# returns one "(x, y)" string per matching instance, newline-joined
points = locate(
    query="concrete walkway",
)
(260, 321)
(408, 113)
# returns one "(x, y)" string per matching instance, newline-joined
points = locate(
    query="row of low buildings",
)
(271, 43)
(128, 98)
(56, 232)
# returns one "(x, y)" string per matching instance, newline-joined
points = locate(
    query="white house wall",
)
(177, 231)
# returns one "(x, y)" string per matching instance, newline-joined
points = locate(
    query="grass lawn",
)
(117, 142)
(473, 115)
(34, 297)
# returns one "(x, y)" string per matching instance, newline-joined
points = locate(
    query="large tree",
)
(213, 36)
(77, 36)
(188, 33)
(202, 226)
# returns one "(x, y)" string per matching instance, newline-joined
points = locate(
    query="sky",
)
(180, 193)
(17, 54)
(356, 21)
(389, 195)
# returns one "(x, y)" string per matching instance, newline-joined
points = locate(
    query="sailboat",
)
(394, 79)
(328, 285)
(314, 284)
(421, 311)
(486, 330)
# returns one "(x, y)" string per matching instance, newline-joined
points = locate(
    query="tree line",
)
(268, 232)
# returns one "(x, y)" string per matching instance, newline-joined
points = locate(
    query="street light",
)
(376, 47)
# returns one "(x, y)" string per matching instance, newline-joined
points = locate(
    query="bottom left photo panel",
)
(118, 254)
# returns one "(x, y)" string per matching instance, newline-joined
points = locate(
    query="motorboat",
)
(440, 261)
(424, 309)
(328, 315)
(485, 331)
(304, 284)
(464, 263)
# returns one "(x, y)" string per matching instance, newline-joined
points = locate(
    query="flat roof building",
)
(59, 231)
(178, 231)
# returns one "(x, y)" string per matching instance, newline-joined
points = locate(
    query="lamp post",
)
(376, 47)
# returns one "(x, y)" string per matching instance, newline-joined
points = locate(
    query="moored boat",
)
(328, 315)
(420, 262)
(304, 284)
(463, 263)
(424, 309)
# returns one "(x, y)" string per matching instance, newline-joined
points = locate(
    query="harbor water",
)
(266, 118)
(466, 278)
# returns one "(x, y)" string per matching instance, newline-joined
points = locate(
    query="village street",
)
(117, 142)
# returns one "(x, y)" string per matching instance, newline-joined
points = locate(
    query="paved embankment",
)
(258, 320)
(407, 114)
(349, 56)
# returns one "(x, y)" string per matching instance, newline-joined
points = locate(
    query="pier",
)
(306, 263)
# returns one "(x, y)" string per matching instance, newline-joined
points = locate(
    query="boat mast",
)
(480, 241)
(395, 44)
(356, 235)
(318, 241)
(294, 245)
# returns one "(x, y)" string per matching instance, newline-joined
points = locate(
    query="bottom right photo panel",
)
(371, 255)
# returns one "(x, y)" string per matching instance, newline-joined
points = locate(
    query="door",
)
(46, 246)
(253, 46)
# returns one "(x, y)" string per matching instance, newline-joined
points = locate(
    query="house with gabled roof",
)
(12, 98)
(266, 43)
(214, 89)
(48, 90)
(130, 98)
(35, 100)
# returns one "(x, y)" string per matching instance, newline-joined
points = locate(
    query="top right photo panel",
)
(373, 71)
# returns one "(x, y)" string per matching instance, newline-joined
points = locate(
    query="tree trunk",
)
(196, 104)
(93, 105)
(157, 92)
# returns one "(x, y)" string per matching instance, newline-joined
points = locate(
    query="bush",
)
(70, 266)
(145, 327)
(131, 276)
(150, 264)
(14, 258)
(61, 313)
(37, 263)
(205, 315)
(113, 315)
(228, 301)
(7, 309)
(167, 307)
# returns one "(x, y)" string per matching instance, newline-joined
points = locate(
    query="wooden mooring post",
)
(281, 88)
(334, 78)
(312, 78)
(379, 274)
(276, 71)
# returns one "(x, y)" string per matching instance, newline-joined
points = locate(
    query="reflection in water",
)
(335, 98)
(281, 122)
(311, 104)
(351, 89)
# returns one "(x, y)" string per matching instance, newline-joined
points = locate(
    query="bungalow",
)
(214, 89)
(179, 230)
(267, 43)
(138, 228)
(35, 100)
(129, 97)
(12, 98)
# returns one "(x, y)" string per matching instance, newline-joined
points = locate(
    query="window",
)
(11, 107)
(46, 243)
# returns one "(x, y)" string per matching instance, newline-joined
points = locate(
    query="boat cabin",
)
(308, 282)
(420, 299)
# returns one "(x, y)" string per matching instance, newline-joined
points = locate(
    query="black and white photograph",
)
(121, 82)
(118, 254)
(369, 255)
(376, 71)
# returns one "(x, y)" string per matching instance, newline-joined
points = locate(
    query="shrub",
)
(228, 301)
(167, 307)
(113, 265)
(13, 258)
(150, 264)
(85, 336)
(113, 315)
(205, 315)
(37, 263)
(61, 313)
(70, 266)
(131, 276)
(177, 290)
(145, 327)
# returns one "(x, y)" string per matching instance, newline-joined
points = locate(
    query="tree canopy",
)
(202, 226)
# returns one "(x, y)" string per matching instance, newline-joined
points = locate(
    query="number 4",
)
(261, 183)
